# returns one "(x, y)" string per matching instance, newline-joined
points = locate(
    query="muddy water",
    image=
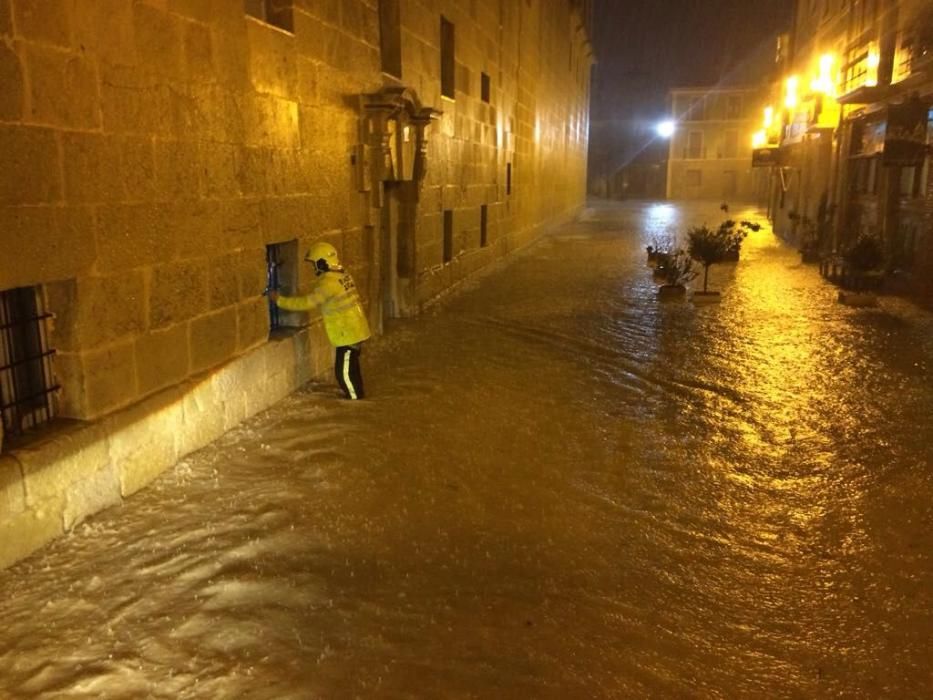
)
(560, 488)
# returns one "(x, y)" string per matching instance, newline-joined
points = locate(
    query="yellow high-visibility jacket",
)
(335, 292)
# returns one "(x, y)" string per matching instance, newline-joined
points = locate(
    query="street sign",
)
(765, 157)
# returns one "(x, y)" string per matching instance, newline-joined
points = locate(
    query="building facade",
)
(166, 160)
(853, 132)
(710, 153)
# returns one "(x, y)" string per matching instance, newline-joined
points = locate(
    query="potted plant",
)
(862, 258)
(741, 231)
(711, 246)
(659, 247)
(678, 271)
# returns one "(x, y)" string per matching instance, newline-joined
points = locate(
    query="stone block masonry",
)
(52, 484)
(152, 150)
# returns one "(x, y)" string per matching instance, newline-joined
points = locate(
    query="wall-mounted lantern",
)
(394, 131)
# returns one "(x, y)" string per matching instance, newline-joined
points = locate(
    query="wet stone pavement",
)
(560, 488)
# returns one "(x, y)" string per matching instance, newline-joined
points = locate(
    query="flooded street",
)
(560, 488)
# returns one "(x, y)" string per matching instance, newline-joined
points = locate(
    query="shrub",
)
(679, 269)
(660, 243)
(710, 246)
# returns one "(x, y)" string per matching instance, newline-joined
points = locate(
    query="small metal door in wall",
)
(282, 277)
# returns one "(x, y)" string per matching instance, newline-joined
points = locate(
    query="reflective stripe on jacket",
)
(344, 320)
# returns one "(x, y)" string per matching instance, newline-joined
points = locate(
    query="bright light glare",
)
(769, 117)
(874, 61)
(790, 92)
(759, 139)
(825, 83)
(666, 129)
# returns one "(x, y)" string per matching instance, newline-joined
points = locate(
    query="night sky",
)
(646, 47)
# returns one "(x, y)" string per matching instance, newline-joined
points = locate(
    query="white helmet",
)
(323, 256)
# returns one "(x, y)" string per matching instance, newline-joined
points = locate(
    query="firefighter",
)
(344, 320)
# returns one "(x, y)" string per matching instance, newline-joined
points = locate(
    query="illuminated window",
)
(390, 37)
(861, 69)
(682, 107)
(698, 110)
(278, 13)
(26, 384)
(734, 107)
(448, 63)
(694, 145)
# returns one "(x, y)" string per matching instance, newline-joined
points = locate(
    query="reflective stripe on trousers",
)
(347, 370)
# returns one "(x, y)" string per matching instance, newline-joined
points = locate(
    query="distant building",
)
(711, 150)
(631, 163)
(163, 162)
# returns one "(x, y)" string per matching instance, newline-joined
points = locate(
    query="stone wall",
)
(68, 474)
(153, 149)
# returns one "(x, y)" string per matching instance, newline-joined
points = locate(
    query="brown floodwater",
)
(559, 488)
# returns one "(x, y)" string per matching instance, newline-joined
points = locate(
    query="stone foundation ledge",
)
(49, 487)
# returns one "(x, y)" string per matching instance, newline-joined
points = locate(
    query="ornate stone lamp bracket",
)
(393, 137)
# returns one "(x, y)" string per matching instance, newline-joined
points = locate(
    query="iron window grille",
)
(27, 386)
(278, 13)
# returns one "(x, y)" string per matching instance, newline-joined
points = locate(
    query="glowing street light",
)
(666, 129)
(824, 83)
(759, 139)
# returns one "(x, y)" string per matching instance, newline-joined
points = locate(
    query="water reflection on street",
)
(560, 488)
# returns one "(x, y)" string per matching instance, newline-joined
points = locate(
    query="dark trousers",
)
(347, 370)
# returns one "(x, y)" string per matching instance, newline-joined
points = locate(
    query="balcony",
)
(861, 76)
(914, 58)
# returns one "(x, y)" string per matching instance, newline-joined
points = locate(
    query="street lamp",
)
(666, 129)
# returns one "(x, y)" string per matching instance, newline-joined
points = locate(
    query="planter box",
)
(707, 297)
(672, 292)
(861, 300)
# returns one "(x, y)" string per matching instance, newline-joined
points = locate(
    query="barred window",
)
(278, 13)
(448, 60)
(282, 276)
(390, 37)
(26, 384)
